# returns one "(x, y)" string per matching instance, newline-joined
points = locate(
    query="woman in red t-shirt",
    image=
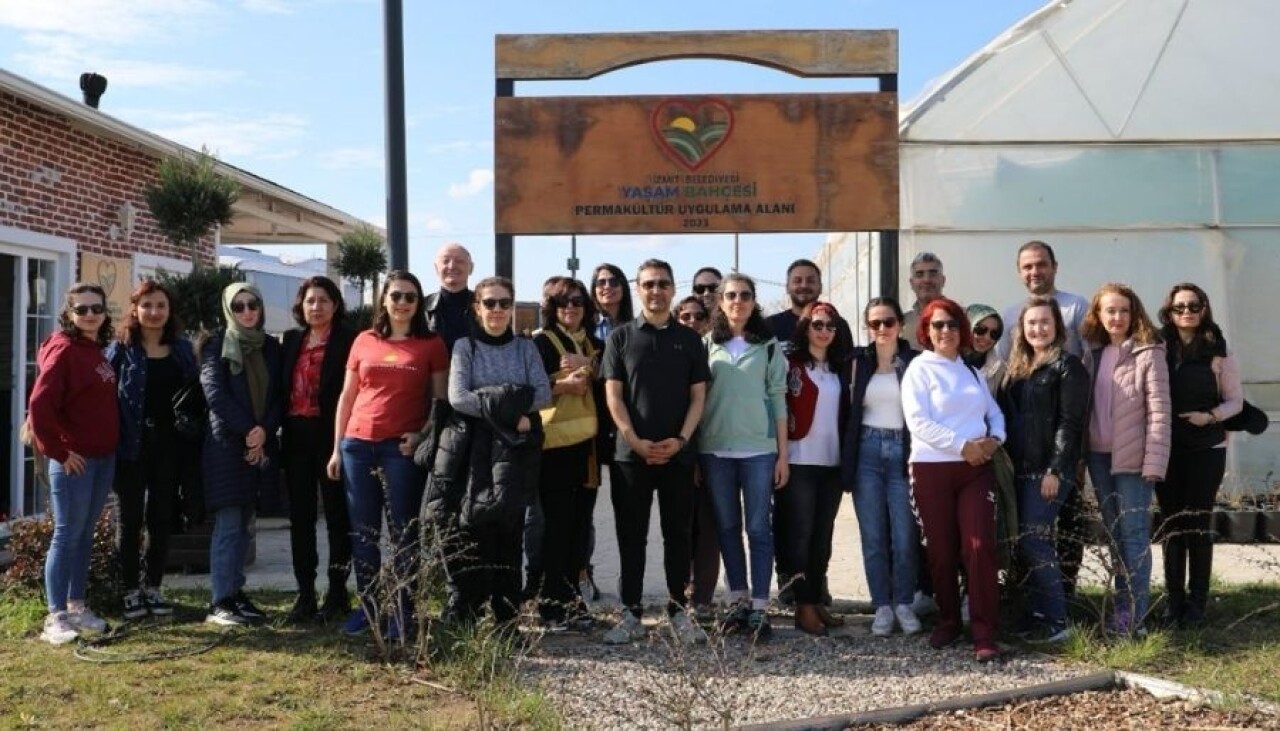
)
(394, 371)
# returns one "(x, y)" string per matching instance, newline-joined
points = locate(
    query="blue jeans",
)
(368, 496)
(1125, 501)
(77, 502)
(886, 522)
(1036, 519)
(741, 485)
(228, 548)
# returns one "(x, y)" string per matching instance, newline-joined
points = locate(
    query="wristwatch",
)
(1053, 472)
(683, 441)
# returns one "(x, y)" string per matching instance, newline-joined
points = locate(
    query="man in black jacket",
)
(449, 310)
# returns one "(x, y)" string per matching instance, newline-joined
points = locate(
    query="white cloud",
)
(230, 136)
(109, 21)
(437, 225)
(270, 7)
(346, 158)
(65, 57)
(477, 181)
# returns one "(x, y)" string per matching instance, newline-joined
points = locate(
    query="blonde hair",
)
(1023, 360)
(1141, 329)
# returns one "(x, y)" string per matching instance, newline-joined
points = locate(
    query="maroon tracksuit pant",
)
(955, 505)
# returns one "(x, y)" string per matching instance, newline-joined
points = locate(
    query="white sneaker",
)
(882, 625)
(964, 610)
(907, 619)
(626, 631)
(924, 605)
(685, 630)
(86, 622)
(58, 629)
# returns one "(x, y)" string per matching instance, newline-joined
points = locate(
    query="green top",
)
(744, 399)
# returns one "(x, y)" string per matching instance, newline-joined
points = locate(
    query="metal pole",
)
(504, 260)
(573, 256)
(735, 252)
(397, 186)
(889, 239)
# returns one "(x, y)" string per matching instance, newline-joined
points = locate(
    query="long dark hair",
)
(330, 289)
(841, 348)
(64, 317)
(625, 311)
(130, 333)
(755, 331)
(1208, 336)
(382, 321)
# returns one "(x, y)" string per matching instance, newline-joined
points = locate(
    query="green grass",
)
(1237, 652)
(277, 677)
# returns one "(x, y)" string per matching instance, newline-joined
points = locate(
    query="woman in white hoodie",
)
(955, 427)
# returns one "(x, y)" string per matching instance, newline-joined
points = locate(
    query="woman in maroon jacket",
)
(75, 423)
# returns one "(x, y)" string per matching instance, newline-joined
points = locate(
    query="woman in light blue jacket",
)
(743, 444)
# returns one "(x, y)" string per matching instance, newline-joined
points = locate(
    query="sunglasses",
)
(945, 325)
(822, 326)
(886, 323)
(1194, 308)
(651, 284)
(705, 288)
(744, 296)
(501, 303)
(405, 297)
(240, 306)
(83, 310)
(608, 282)
(692, 316)
(983, 330)
(573, 300)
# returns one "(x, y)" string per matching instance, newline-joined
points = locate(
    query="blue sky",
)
(292, 90)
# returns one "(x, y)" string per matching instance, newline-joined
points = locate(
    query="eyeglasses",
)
(692, 316)
(1194, 308)
(886, 323)
(983, 330)
(651, 284)
(501, 303)
(608, 282)
(398, 296)
(945, 325)
(739, 296)
(573, 300)
(240, 306)
(83, 310)
(822, 326)
(705, 288)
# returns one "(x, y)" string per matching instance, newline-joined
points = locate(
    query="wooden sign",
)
(115, 276)
(735, 163)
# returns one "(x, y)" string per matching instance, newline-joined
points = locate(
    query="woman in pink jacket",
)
(1204, 386)
(1129, 437)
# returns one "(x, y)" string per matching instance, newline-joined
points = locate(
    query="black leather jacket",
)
(1045, 416)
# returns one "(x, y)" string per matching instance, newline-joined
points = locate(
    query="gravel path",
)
(656, 685)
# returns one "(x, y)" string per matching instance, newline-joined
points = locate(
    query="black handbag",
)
(1251, 419)
(190, 411)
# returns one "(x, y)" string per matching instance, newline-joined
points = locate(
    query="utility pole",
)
(397, 185)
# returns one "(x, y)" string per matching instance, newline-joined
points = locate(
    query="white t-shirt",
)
(821, 446)
(882, 404)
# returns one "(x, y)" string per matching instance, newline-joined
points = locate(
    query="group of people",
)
(445, 422)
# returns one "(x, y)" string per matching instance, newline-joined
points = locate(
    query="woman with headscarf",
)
(240, 375)
(981, 354)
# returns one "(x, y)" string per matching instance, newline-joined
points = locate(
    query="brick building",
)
(71, 208)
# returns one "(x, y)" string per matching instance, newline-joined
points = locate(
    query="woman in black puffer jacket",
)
(1044, 396)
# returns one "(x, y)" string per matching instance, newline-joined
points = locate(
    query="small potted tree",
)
(362, 259)
(189, 198)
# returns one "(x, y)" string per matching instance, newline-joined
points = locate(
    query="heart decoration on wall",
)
(691, 131)
(107, 276)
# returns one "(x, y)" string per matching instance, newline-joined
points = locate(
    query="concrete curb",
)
(902, 714)
(1165, 689)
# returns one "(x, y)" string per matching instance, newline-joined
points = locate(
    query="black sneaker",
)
(135, 606)
(304, 609)
(224, 614)
(736, 620)
(156, 604)
(247, 609)
(758, 625)
(337, 604)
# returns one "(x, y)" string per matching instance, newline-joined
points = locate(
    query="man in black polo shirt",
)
(656, 376)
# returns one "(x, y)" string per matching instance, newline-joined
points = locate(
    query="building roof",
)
(265, 212)
(1114, 71)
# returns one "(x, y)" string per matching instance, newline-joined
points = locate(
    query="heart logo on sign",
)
(107, 276)
(691, 131)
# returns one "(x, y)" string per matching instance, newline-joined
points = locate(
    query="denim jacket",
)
(130, 365)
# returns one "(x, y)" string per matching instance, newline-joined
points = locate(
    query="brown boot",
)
(809, 621)
(827, 617)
